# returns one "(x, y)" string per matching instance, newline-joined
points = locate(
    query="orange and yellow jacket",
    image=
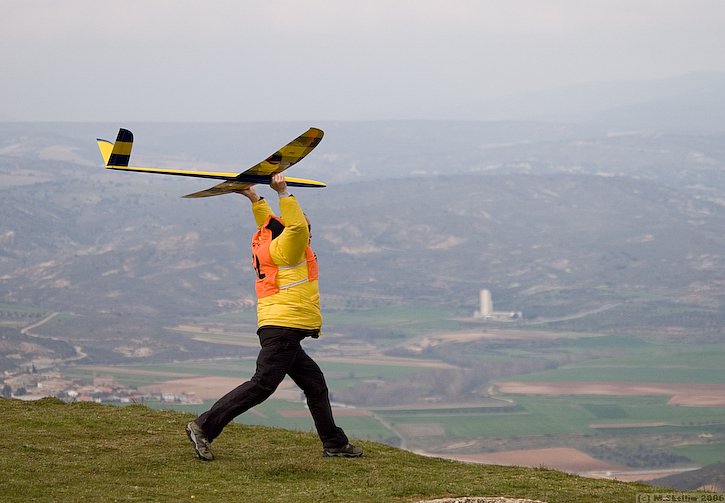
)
(286, 267)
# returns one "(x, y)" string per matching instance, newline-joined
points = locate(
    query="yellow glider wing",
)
(117, 156)
(235, 186)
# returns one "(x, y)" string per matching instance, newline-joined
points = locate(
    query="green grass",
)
(629, 370)
(705, 454)
(536, 417)
(271, 413)
(606, 410)
(707, 359)
(607, 342)
(90, 452)
(648, 362)
(402, 319)
(19, 316)
(569, 415)
(22, 309)
(342, 375)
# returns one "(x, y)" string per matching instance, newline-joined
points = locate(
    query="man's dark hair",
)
(275, 226)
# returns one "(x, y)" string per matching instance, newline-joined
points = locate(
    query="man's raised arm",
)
(291, 245)
(260, 208)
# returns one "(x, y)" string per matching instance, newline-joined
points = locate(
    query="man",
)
(288, 310)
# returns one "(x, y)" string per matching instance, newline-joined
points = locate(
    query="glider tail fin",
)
(121, 153)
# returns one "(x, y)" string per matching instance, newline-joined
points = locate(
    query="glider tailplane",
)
(121, 153)
(106, 147)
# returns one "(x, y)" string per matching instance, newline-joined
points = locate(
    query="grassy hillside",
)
(54, 451)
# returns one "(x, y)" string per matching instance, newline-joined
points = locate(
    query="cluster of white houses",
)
(32, 384)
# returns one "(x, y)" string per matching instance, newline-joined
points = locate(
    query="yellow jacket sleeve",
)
(261, 210)
(289, 248)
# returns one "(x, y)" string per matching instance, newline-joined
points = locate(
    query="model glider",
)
(117, 155)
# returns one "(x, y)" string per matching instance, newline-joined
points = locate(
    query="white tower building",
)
(486, 303)
(486, 310)
(487, 313)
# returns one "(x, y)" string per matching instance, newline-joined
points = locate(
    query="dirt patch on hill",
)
(700, 399)
(420, 344)
(485, 499)
(693, 395)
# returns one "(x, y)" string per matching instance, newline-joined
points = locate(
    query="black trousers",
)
(281, 355)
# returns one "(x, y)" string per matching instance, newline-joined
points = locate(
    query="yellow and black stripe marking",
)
(121, 153)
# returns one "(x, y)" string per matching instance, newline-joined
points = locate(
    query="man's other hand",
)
(279, 185)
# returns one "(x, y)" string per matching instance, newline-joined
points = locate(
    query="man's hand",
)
(250, 194)
(279, 185)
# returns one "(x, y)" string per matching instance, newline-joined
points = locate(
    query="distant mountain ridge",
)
(555, 220)
(694, 102)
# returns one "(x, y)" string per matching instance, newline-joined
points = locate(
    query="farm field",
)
(537, 418)
(706, 454)
(638, 371)
(17, 316)
(611, 400)
(404, 320)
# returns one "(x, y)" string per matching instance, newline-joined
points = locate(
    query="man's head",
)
(275, 226)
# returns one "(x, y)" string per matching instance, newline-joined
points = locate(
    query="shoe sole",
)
(327, 454)
(192, 439)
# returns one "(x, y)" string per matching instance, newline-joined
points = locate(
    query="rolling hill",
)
(555, 220)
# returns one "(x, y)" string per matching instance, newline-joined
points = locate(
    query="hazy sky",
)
(237, 60)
